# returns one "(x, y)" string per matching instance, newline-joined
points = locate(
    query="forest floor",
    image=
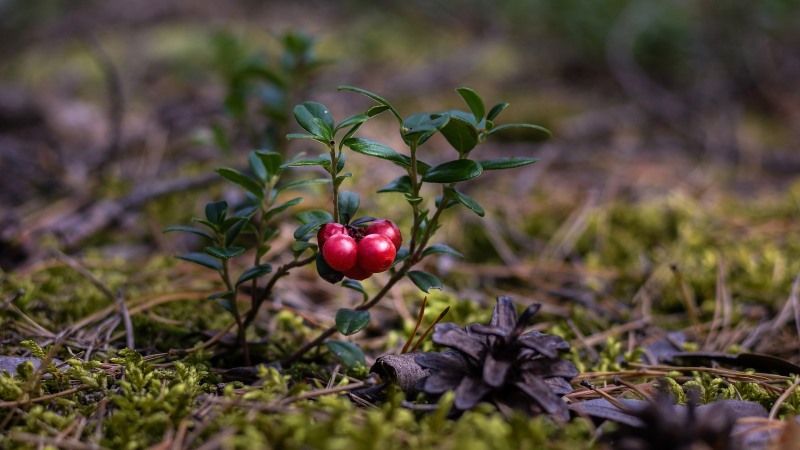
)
(659, 264)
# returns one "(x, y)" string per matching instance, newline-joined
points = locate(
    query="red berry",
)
(340, 252)
(328, 230)
(376, 253)
(357, 273)
(388, 229)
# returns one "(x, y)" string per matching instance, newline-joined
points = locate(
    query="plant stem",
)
(415, 187)
(257, 258)
(431, 227)
(281, 272)
(363, 307)
(235, 310)
(334, 164)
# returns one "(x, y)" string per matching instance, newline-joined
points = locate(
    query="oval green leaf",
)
(351, 321)
(424, 280)
(536, 132)
(460, 134)
(188, 229)
(442, 249)
(202, 259)
(253, 273)
(469, 202)
(374, 97)
(347, 353)
(242, 180)
(315, 118)
(401, 184)
(453, 171)
(506, 163)
(225, 253)
(474, 101)
(348, 206)
(496, 110)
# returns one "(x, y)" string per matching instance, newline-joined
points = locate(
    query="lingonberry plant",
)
(355, 248)
(231, 232)
(348, 248)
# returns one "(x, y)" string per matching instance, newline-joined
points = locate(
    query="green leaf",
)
(474, 101)
(348, 206)
(496, 110)
(304, 232)
(202, 259)
(215, 212)
(188, 229)
(537, 132)
(467, 201)
(253, 273)
(421, 126)
(291, 136)
(225, 253)
(341, 178)
(506, 163)
(424, 280)
(298, 247)
(357, 119)
(323, 160)
(272, 161)
(441, 249)
(326, 272)
(356, 286)
(350, 321)
(315, 118)
(378, 150)
(453, 171)
(461, 134)
(257, 166)
(315, 215)
(348, 135)
(347, 353)
(362, 220)
(207, 223)
(401, 184)
(246, 211)
(377, 109)
(224, 299)
(233, 226)
(340, 162)
(402, 254)
(303, 183)
(242, 180)
(272, 212)
(311, 220)
(374, 97)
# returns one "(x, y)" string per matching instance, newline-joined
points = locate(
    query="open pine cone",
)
(665, 426)
(501, 364)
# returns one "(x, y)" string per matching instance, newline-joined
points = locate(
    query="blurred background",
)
(676, 124)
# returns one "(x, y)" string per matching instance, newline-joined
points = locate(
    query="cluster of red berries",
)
(358, 252)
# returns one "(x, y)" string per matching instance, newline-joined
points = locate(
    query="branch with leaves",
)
(463, 130)
(250, 225)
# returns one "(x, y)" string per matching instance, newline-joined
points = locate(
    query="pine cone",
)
(501, 364)
(666, 426)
